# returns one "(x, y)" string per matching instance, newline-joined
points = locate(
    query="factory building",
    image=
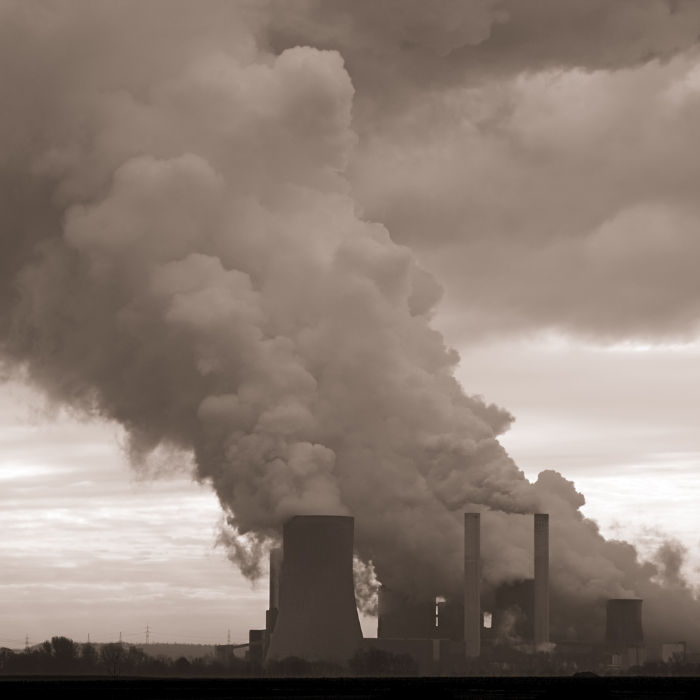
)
(312, 611)
(530, 598)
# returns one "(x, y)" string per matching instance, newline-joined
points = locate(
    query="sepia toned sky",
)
(537, 160)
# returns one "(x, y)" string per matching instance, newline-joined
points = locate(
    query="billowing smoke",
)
(182, 254)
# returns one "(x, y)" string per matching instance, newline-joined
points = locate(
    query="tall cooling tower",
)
(317, 618)
(623, 626)
(541, 585)
(472, 584)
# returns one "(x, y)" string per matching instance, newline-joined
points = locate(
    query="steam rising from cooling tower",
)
(183, 255)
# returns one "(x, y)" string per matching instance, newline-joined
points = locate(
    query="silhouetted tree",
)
(182, 666)
(65, 654)
(5, 656)
(291, 666)
(89, 657)
(112, 658)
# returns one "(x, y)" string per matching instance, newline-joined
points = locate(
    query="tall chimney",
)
(541, 578)
(472, 584)
(317, 617)
(275, 578)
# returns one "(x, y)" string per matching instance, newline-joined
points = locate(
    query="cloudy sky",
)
(226, 224)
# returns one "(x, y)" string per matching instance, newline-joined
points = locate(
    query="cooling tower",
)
(472, 584)
(541, 586)
(624, 637)
(317, 618)
(624, 623)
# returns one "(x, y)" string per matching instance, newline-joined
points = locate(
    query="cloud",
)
(561, 200)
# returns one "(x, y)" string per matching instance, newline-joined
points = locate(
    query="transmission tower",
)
(147, 634)
(228, 639)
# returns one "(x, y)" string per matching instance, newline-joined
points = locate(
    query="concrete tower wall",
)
(317, 617)
(541, 586)
(472, 584)
(623, 626)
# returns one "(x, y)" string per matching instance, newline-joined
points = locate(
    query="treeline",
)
(63, 656)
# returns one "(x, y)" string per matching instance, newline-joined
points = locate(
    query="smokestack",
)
(472, 584)
(541, 578)
(317, 617)
(275, 579)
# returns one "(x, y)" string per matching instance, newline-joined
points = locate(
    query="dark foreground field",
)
(389, 688)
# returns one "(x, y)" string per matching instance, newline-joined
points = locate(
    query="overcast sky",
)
(179, 189)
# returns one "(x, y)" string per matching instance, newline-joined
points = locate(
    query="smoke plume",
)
(183, 254)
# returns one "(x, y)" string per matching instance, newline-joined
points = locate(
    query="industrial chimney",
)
(624, 637)
(275, 581)
(317, 618)
(541, 586)
(472, 584)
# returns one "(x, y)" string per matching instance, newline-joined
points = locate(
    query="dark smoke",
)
(182, 254)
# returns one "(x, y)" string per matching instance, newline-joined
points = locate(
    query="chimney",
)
(472, 584)
(317, 618)
(541, 578)
(275, 579)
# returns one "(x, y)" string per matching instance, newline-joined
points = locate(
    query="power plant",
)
(313, 614)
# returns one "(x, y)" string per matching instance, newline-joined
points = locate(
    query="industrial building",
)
(313, 615)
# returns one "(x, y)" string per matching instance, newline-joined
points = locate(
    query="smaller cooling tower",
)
(624, 623)
(317, 618)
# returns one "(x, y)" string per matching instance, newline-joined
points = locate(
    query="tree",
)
(112, 657)
(5, 655)
(377, 662)
(89, 655)
(65, 653)
(182, 666)
(290, 666)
